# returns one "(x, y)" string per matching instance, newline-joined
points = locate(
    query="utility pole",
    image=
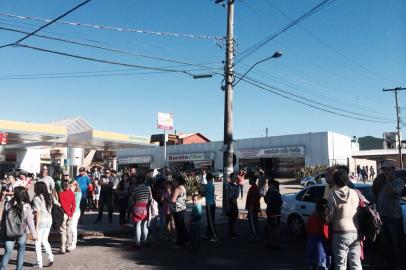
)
(228, 150)
(396, 91)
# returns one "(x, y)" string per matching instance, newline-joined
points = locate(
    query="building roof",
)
(187, 135)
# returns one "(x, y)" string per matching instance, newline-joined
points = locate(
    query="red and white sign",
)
(3, 137)
(165, 121)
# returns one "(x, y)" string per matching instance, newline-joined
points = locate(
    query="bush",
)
(310, 170)
(193, 184)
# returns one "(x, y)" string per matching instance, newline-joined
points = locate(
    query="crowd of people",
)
(159, 203)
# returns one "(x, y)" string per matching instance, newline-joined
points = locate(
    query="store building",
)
(280, 156)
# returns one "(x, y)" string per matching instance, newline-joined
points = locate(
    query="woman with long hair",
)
(74, 186)
(20, 205)
(178, 211)
(42, 206)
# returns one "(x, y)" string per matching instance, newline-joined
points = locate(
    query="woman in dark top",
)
(123, 192)
(178, 211)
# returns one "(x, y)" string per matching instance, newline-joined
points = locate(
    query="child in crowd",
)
(195, 222)
(253, 206)
(274, 202)
(96, 192)
(317, 252)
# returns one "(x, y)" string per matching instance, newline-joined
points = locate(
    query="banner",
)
(191, 157)
(3, 137)
(165, 121)
(289, 151)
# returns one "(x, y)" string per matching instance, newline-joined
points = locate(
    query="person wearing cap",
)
(389, 195)
(84, 182)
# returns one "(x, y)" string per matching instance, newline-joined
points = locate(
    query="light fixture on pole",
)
(276, 54)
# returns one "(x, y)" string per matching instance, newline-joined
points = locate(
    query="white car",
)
(297, 207)
(319, 178)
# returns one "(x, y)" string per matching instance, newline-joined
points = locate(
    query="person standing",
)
(359, 172)
(84, 181)
(389, 195)
(371, 173)
(253, 206)
(20, 205)
(241, 181)
(274, 202)
(232, 206)
(195, 222)
(123, 193)
(178, 211)
(106, 197)
(42, 207)
(74, 186)
(342, 204)
(141, 197)
(48, 180)
(68, 203)
(261, 182)
(209, 194)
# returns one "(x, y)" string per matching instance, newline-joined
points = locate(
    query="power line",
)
(47, 24)
(243, 55)
(120, 29)
(105, 61)
(109, 49)
(327, 45)
(277, 91)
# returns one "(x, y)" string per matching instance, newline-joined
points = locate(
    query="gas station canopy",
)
(73, 132)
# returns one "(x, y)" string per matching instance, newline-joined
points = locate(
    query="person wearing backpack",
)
(16, 222)
(42, 207)
(342, 206)
(389, 192)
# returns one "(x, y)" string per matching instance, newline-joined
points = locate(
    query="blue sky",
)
(342, 56)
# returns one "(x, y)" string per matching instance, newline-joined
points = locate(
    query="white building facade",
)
(277, 155)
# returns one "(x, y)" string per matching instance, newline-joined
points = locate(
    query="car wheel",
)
(309, 184)
(296, 225)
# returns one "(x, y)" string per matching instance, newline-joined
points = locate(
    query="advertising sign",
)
(190, 157)
(165, 121)
(290, 151)
(3, 137)
(135, 160)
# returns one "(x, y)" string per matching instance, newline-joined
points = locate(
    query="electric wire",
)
(285, 94)
(120, 29)
(109, 49)
(105, 61)
(328, 46)
(249, 51)
(46, 25)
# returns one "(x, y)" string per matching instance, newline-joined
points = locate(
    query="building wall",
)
(320, 148)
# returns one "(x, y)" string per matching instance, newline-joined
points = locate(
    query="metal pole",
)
(228, 104)
(396, 91)
(266, 133)
(164, 150)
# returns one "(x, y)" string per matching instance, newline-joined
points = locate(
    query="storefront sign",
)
(165, 121)
(290, 151)
(191, 157)
(135, 160)
(138, 139)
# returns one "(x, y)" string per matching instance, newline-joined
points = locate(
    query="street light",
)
(276, 54)
(202, 76)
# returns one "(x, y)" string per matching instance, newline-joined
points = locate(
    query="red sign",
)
(3, 137)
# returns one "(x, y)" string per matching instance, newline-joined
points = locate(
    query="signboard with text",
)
(165, 121)
(190, 157)
(290, 151)
(135, 160)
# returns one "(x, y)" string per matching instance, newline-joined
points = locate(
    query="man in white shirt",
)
(48, 180)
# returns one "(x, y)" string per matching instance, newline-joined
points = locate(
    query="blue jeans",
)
(393, 241)
(8, 248)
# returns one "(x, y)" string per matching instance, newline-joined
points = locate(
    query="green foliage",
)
(310, 170)
(192, 184)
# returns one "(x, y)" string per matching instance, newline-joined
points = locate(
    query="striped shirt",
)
(141, 194)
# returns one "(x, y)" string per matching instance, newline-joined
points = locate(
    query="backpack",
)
(15, 223)
(369, 221)
(57, 217)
